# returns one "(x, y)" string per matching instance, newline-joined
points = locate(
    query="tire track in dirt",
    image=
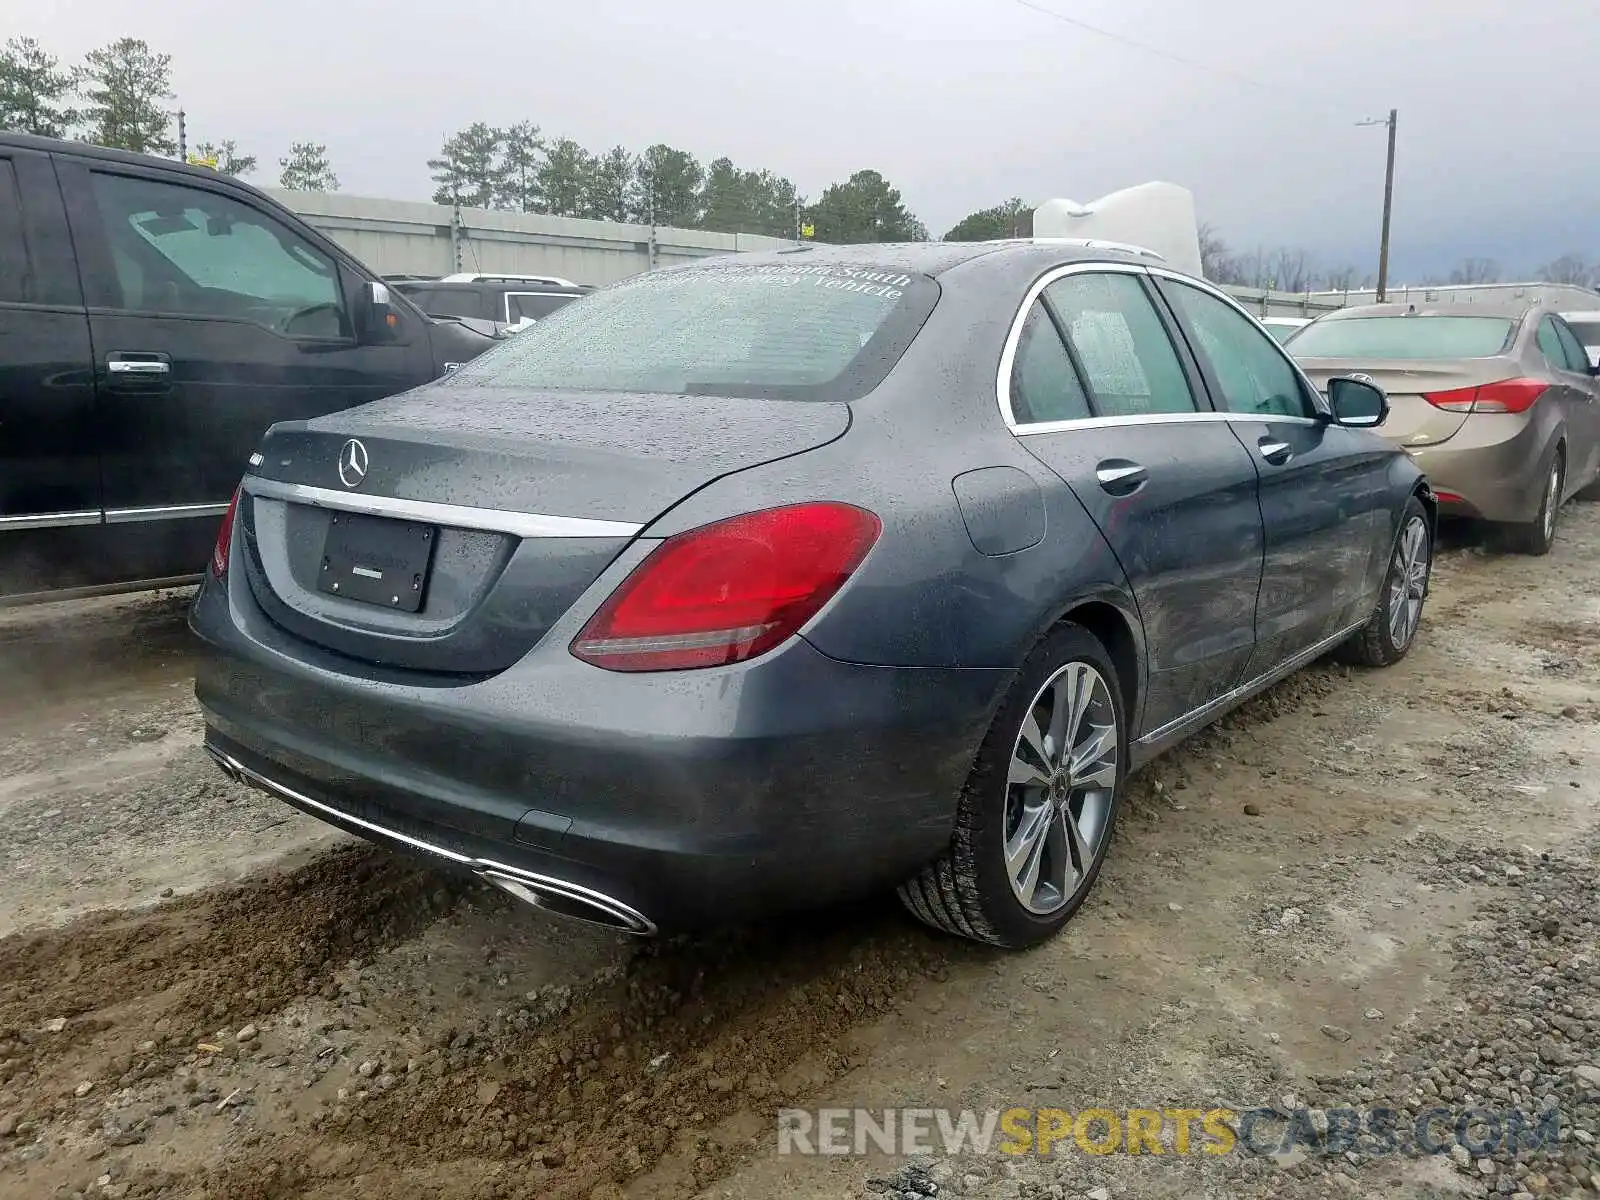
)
(115, 977)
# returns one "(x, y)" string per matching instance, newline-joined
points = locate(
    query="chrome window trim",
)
(165, 512)
(53, 520)
(456, 516)
(1008, 357)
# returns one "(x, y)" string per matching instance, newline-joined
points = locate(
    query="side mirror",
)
(1357, 401)
(379, 321)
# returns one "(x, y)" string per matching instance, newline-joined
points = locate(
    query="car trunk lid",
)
(460, 523)
(1413, 421)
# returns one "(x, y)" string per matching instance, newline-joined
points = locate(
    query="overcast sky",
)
(960, 103)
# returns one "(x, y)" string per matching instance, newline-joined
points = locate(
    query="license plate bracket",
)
(375, 560)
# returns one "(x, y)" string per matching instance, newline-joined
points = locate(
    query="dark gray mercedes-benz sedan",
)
(761, 581)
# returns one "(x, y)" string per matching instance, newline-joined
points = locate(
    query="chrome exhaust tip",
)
(557, 897)
(568, 900)
(225, 764)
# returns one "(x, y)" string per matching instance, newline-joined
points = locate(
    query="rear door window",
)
(1576, 355)
(16, 273)
(790, 331)
(1128, 360)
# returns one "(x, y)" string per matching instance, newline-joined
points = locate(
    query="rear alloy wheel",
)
(1034, 821)
(1538, 535)
(1388, 634)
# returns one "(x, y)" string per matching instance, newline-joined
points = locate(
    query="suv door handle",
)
(1121, 477)
(138, 366)
(1276, 453)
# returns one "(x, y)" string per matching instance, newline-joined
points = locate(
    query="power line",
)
(1193, 64)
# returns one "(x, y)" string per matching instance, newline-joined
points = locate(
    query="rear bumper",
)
(1494, 469)
(689, 799)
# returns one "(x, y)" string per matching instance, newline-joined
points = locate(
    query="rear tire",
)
(1392, 628)
(1035, 818)
(1538, 535)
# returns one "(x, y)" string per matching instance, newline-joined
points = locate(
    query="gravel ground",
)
(1363, 890)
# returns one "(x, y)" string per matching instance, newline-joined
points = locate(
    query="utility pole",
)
(1391, 121)
(183, 137)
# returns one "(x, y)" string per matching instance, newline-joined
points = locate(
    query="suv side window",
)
(16, 277)
(1255, 376)
(1044, 383)
(454, 302)
(1128, 360)
(1550, 344)
(1577, 357)
(179, 249)
(534, 305)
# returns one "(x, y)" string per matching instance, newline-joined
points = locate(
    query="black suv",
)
(155, 319)
(510, 301)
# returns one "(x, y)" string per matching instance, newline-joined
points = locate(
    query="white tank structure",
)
(1152, 216)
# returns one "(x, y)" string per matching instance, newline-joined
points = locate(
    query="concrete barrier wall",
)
(399, 236)
(404, 237)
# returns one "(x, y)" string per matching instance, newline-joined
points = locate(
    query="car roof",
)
(496, 285)
(28, 141)
(1513, 309)
(930, 258)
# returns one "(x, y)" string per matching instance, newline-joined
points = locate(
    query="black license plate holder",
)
(376, 560)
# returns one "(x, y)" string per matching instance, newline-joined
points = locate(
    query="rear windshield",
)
(1282, 332)
(766, 331)
(1403, 337)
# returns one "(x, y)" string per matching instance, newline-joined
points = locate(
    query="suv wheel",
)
(1035, 818)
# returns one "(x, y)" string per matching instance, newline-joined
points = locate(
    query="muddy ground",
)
(1362, 886)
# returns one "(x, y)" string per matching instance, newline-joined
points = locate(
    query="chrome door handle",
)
(1276, 453)
(1120, 477)
(138, 366)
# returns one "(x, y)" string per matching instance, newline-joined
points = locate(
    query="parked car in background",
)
(155, 318)
(1499, 403)
(512, 302)
(1586, 325)
(1283, 328)
(752, 583)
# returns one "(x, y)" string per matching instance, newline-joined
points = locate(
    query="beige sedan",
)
(1497, 403)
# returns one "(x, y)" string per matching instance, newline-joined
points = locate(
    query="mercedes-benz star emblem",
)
(352, 463)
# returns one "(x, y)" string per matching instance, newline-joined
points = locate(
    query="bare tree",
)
(1476, 270)
(1215, 257)
(1571, 267)
(1341, 279)
(1290, 270)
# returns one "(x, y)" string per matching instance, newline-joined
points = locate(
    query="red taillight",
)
(1447, 497)
(729, 591)
(219, 554)
(1506, 396)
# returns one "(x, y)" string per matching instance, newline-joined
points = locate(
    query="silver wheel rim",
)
(1408, 582)
(1552, 500)
(1062, 781)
